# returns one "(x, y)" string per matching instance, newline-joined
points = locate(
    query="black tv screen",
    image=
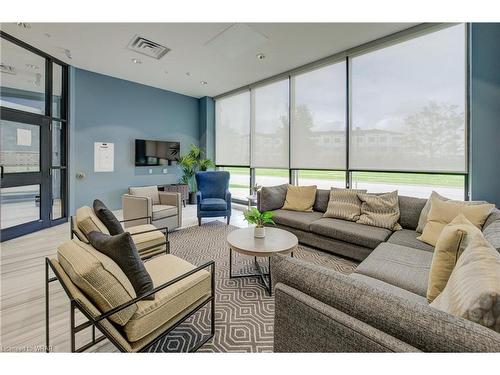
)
(151, 153)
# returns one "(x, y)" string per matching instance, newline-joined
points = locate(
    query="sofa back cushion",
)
(146, 191)
(321, 201)
(99, 278)
(409, 210)
(491, 229)
(272, 197)
(473, 290)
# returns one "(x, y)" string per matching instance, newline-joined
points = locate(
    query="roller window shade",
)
(270, 126)
(318, 122)
(232, 130)
(408, 105)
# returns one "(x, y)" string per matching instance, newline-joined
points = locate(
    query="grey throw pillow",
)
(121, 249)
(107, 217)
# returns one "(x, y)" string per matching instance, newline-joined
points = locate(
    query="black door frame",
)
(44, 176)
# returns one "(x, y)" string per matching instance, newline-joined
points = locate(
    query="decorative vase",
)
(259, 232)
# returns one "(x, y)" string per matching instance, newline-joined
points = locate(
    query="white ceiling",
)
(222, 54)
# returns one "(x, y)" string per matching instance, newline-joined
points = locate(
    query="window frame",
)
(347, 55)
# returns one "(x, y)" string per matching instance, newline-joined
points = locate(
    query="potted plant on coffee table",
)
(254, 216)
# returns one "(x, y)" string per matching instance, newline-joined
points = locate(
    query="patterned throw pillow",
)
(380, 210)
(450, 245)
(473, 290)
(344, 204)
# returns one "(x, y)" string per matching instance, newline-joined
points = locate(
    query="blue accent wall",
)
(107, 109)
(485, 112)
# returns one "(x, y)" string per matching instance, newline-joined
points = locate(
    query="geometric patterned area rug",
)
(244, 312)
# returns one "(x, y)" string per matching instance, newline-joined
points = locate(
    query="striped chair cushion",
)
(344, 204)
(380, 210)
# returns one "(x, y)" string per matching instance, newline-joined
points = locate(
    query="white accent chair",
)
(164, 208)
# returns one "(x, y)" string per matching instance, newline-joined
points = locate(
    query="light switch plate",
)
(150, 171)
(165, 170)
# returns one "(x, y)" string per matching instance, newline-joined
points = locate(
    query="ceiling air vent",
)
(147, 47)
(7, 69)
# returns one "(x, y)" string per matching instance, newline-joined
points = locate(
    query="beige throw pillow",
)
(442, 213)
(449, 247)
(380, 210)
(425, 211)
(473, 290)
(300, 198)
(344, 204)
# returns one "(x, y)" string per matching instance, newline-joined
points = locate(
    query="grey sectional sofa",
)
(382, 305)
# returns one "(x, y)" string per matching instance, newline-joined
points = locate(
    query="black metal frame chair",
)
(96, 321)
(164, 230)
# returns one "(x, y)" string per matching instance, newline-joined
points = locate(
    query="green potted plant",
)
(191, 163)
(254, 216)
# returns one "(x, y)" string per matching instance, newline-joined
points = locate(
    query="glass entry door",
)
(25, 185)
(33, 139)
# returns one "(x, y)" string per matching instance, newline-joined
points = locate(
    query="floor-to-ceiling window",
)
(390, 116)
(33, 133)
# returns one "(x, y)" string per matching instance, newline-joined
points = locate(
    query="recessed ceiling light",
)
(188, 74)
(136, 61)
(24, 25)
(32, 66)
(204, 82)
(260, 56)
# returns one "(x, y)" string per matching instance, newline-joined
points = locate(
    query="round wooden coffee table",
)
(277, 241)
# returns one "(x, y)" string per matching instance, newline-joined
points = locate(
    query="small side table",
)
(252, 201)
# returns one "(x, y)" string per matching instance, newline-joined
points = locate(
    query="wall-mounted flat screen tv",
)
(151, 153)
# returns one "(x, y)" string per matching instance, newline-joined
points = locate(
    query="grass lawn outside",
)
(375, 177)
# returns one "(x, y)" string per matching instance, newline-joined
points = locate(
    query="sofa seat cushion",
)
(296, 219)
(348, 231)
(171, 301)
(163, 210)
(400, 266)
(145, 240)
(213, 204)
(407, 237)
(375, 283)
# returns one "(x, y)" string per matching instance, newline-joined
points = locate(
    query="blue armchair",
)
(213, 196)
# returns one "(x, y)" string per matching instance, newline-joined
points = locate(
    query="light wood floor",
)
(22, 302)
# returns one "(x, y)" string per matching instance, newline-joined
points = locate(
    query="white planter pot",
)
(259, 232)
